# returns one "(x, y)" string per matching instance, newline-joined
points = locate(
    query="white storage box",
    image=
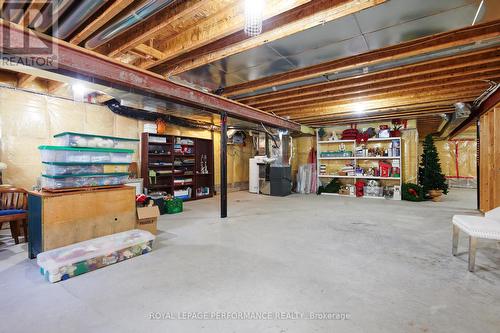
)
(68, 261)
(61, 168)
(81, 140)
(85, 155)
(69, 181)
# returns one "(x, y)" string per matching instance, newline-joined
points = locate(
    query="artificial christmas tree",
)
(430, 176)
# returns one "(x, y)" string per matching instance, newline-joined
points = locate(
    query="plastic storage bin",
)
(183, 194)
(85, 155)
(66, 181)
(81, 140)
(60, 169)
(68, 261)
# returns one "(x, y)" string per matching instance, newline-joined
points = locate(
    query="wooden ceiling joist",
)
(24, 80)
(381, 93)
(55, 86)
(92, 66)
(31, 12)
(215, 27)
(114, 9)
(420, 71)
(148, 29)
(415, 94)
(384, 117)
(295, 20)
(444, 100)
(456, 38)
(387, 113)
(395, 85)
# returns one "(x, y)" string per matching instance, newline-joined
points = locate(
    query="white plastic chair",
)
(487, 227)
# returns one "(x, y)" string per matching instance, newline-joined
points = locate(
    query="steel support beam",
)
(223, 165)
(71, 60)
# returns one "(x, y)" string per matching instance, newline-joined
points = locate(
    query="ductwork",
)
(149, 8)
(130, 112)
(50, 14)
(77, 16)
(462, 113)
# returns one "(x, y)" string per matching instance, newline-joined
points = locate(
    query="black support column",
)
(223, 165)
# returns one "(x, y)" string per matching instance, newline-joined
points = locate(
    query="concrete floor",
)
(386, 264)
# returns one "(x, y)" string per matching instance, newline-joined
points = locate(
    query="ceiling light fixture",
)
(253, 17)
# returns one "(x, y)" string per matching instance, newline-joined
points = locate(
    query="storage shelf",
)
(353, 141)
(158, 186)
(152, 152)
(357, 161)
(362, 158)
(361, 177)
(336, 158)
(379, 158)
(182, 185)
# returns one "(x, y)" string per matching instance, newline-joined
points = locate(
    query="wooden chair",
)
(14, 209)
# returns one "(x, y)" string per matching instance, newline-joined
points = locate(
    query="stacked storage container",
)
(81, 160)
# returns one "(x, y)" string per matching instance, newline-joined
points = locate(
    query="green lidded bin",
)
(174, 206)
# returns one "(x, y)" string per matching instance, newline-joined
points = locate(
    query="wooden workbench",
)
(60, 219)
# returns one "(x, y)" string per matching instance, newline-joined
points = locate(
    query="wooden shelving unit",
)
(177, 165)
(358, 160)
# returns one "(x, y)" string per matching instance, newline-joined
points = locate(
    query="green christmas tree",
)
(430, 176)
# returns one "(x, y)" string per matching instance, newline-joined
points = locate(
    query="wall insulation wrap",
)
(458, 161)
(301, 148)
(28, 120)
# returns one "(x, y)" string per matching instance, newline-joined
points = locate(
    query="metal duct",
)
(50, 14)
(77, 16)
(130, 112)
(462, 113)
(147, 9)
(13, 10)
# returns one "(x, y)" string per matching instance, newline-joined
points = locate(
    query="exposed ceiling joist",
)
(149, 28)
(431, 101)
(298, 19)
(423, 45)
(215, 27)
(114, 9)
(148, 50)
(426, 70)
(55, 86)
(87, 65)
(356, 97)
(31, 12)
(24, 80)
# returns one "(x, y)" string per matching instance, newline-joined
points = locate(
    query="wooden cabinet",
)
(61, 219)
(173, 164)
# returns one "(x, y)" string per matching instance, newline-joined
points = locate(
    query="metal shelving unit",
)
(355, 162)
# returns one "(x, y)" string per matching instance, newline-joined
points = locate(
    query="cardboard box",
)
(147, 218)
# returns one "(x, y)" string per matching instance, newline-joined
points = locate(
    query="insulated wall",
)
(30, 119)
(458, 161)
